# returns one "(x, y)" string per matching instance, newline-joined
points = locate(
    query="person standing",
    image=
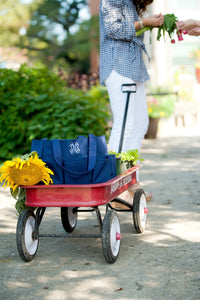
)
(121, 62)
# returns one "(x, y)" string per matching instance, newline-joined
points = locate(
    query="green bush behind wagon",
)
(35, 103)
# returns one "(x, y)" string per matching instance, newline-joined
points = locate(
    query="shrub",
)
(35, 103)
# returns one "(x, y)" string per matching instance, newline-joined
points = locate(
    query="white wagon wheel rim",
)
(31, 245)
(114, 230)
(142, 213)
(72, 217)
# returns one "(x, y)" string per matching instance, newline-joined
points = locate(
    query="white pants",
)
(137, 117)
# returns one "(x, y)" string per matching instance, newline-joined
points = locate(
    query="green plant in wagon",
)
(132, 155)
(126, 160)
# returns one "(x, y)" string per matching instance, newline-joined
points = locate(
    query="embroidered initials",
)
(74, 148)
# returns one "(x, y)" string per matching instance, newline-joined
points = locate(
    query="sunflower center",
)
(28, 175)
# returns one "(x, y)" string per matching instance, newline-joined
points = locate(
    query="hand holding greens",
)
(169, 26)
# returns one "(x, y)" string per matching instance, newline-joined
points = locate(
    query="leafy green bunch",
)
(169, 26)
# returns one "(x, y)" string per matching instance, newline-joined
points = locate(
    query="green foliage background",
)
(35, 103)
(52, 32)
(57, 35)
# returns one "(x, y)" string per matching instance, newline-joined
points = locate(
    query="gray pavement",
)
(161, 263)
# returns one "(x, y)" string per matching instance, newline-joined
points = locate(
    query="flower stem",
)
(141, 31)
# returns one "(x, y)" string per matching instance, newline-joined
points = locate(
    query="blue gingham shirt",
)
(120, 48)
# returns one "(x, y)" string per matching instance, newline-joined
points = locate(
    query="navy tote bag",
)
(84, 160)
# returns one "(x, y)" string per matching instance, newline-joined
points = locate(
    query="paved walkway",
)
(162, 263)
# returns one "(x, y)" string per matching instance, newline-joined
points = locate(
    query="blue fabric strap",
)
(92, 152)
(39, 145)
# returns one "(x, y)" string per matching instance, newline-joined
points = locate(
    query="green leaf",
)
(159, 33)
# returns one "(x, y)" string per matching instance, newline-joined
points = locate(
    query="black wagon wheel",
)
(69, 218)
(111, 237)
(140, 210)
(27, 246)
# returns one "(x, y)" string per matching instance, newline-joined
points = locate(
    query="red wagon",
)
(74, 199)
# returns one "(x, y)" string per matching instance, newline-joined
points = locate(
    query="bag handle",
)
(91, 155)
(39, 145)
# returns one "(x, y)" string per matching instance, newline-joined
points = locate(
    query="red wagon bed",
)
(85, 195)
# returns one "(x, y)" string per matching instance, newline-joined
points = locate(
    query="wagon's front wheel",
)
(27, 246)
(111, 236)
(69, 218)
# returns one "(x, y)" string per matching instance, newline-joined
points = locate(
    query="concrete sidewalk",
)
(161, 263)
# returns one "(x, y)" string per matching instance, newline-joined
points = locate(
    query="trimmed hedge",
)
(35, 103)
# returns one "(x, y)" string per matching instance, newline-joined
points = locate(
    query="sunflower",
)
(27, 170)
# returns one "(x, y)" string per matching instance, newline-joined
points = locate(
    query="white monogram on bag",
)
(74, 148)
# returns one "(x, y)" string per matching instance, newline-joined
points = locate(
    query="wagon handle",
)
(126, 88)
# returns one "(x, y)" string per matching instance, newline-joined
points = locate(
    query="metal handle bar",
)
(126, 88)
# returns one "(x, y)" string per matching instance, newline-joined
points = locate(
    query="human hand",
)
(188, 24)
(194, 31)
(153, 21)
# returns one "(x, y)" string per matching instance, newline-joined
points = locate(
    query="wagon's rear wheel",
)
(140, 210)
(27, 246)
(69, 218)
(111, 236)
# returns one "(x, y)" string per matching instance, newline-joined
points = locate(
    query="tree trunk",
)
(94, 7)
(94, 53)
